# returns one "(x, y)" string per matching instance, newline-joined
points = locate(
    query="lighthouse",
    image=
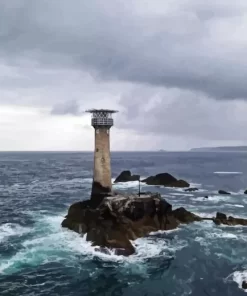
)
(102, 122)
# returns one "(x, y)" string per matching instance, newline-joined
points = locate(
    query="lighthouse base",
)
(99, 192)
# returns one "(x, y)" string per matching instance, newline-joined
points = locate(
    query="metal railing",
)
(102, 122)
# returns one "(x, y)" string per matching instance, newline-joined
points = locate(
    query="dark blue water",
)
(38, 257)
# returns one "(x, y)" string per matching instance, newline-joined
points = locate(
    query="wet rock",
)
(184, 216)
(165, 179)
(122, 218)
(244, 285)
(179, 184)
(245, 191)
(221, 216)
(126, 176)
(160, 179)
(231, 221)
(206, 196)
(223, 192)
(191, 189)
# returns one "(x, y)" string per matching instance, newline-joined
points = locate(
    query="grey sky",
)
(176, 70)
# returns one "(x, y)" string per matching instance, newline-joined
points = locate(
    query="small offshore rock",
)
(125, 176)
(231, 221)
(160, 179)
(191, 189)
(221, 216)
(245, 191)
(244, 285)
(224, 192)
(165, 179)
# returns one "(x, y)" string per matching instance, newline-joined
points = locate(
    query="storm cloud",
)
(175, 69)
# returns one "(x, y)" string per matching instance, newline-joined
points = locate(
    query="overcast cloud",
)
(175, 69)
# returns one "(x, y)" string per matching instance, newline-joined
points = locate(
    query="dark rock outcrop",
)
(245, 191)
(179, 184)
(126, 176)
(223, 192)
(244, 285)
(191, 189)
(160, 179)
(231, 221)
(221, 216)
(120, 219)
(184, 216)
(165, 179)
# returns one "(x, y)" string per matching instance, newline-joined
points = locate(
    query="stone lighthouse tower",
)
(102, 121)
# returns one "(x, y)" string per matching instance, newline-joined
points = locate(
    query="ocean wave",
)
(52, 243)
(182, 194)
(130, 184)
(212, 198)
(228, 173)
(234, 205)
(11, 229)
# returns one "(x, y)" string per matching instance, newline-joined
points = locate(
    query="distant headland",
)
(221, 149)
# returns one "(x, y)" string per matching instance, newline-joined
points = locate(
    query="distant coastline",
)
(221, 149)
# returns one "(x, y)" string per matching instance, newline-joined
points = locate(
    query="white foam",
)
(182, 194)
(227, 173)
(54, 244)
(183, 189)
(130, 184)
(47, 246)
(238, 277)
(204, 214)
(195, 185)
(233, 205)
(11, 229)
(212, 198)
(164, 231)
(222, 234)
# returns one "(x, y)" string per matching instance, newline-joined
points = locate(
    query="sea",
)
(38, 257)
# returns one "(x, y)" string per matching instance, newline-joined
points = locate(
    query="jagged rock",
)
(231, 221)
(244, 285)
(160, 179)
(221, 216)
(184, 216)
(223, 192)
(165, 179)
(126, 176)
(191, 189)
(122, 218)
(179, 184)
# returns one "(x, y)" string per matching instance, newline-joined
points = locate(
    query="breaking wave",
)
(11, 229)
(51, 243)
(228, 173)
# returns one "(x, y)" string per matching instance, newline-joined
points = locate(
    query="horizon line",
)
(91, 151)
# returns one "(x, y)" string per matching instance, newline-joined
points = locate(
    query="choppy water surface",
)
(38, 257)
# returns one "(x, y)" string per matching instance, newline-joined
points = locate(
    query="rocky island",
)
(120, 218)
